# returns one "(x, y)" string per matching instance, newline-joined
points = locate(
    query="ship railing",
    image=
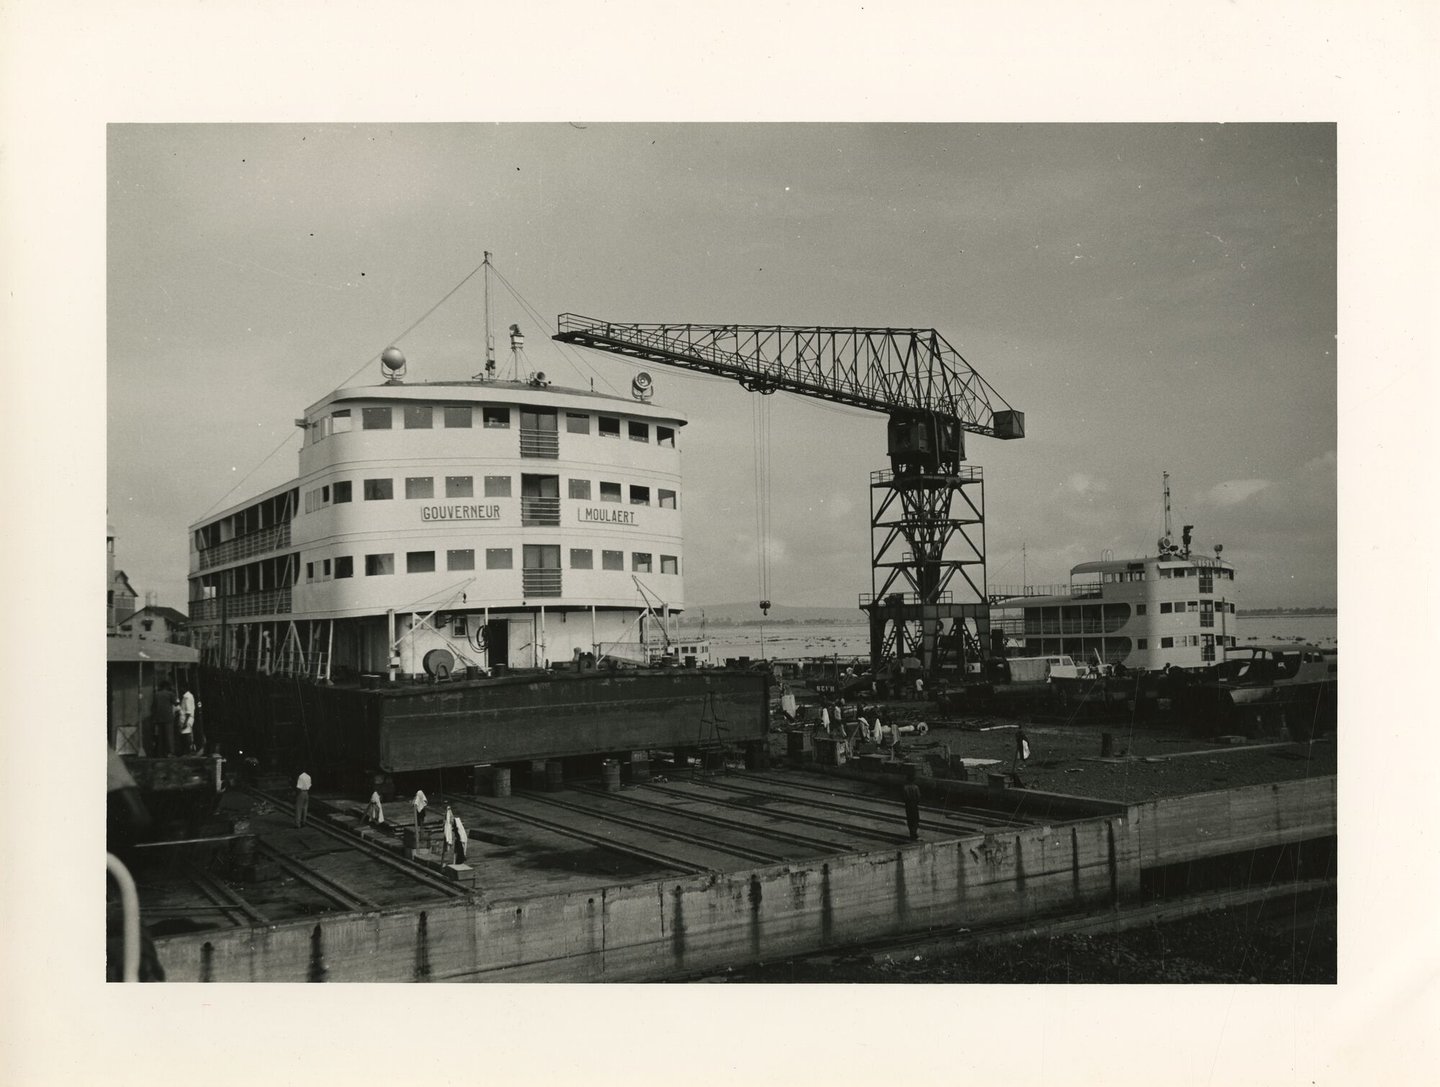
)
(539, 511)
(539, 443)
(265, 602)
(1087, 626)
(1003, 593)
(247, 546)
(540, 582)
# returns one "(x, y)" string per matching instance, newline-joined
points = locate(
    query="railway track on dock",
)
(878, 808)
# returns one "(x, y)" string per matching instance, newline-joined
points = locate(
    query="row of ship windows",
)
(380, 490)
(535, 557)
(1186, 641)
(1205, 574)
(492, 417)
(1179, 606)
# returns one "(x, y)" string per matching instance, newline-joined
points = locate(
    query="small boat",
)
(1267, 690)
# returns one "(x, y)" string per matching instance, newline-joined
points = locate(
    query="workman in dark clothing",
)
(161, 741)
(911, 795)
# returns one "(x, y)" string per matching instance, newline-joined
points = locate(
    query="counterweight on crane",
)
(927, 509)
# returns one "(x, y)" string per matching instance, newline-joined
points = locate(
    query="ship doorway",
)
(497, 643)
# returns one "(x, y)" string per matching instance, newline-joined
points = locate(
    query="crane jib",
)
(899, 372)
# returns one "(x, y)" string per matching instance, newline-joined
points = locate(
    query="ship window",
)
(576, 423)
(541, 557)
(1167, 643)
(609, 492)
(458, 415)
(1194, 605)
(499, 558)
(460, 560)
(325, 568)
(376, 565)
(497, 418)
(639, 496)
(459, 486)
(419, 562)
(1142, 643)
(325, 494)
(669, 564)
(665, 436)
(419, 417)
(375, 418)
(612, 560)
(345, 566)
(419, 487)
(639, 432)
(1165, 571)
(667, 499)
(497, 486)
(580, 488)
(1166, 608)
(582, 558)
(377, 490)
(1139, 609)
(309, 571)
(608, 427)
(342, 491)
(340, 421)
(639, 562)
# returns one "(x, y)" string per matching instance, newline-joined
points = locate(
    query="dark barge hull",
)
(286, 722)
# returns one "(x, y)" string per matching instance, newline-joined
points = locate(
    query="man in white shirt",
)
(187, 721)
(302, 798)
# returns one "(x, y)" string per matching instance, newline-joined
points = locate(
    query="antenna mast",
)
(488, 374)
(1168, 530)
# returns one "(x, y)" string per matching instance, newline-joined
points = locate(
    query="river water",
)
(850, 640)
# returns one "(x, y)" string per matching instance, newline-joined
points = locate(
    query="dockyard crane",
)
(926, 510)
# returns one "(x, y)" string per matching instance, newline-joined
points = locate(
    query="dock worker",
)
(302, 798)
(911, 795)
(162, 721)
(375, 811)
(449, 834)
(420, 802)
(187, 721)
(919, 688)
(1022, 749)
(462, 841)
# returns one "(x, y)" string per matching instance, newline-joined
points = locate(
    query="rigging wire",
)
(542, 322)
(368, 362)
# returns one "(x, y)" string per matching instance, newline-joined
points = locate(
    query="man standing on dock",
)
(187, 721)
(911, 795)
(302, 798)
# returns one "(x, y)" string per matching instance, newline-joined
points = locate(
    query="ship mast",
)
(1166, 475)
(488, 374)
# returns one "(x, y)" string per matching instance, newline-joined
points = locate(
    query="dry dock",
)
(667, 878)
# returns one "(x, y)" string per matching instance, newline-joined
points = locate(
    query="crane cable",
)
(760, 430)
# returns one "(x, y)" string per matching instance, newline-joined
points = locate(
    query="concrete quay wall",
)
(664, 928)
(1189, 828)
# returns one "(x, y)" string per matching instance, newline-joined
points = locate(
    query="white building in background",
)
(443, 525)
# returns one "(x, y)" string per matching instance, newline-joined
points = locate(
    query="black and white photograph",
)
(796, 552)
(683, 521)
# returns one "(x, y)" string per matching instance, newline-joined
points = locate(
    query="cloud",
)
(1080, 483)
(1234, 491)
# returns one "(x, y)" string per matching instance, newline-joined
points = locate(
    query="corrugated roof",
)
(143, 649)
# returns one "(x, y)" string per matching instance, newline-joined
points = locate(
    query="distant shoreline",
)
(691, 621)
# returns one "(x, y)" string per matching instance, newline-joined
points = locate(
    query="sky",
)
(1155, 298)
